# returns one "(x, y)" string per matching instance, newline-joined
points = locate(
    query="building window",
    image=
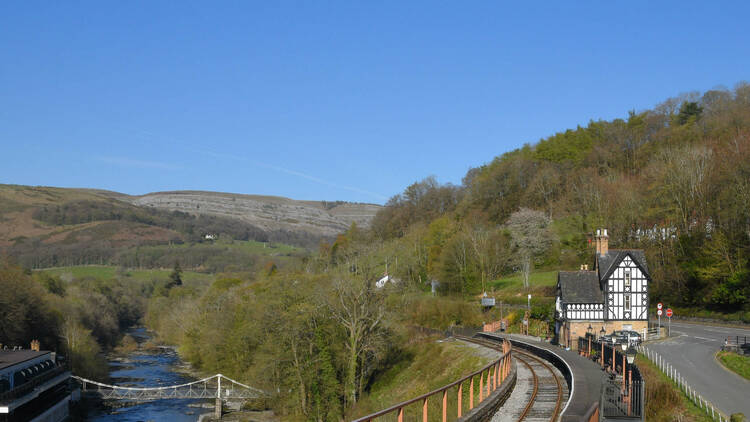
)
(627, 279)
(627, 302)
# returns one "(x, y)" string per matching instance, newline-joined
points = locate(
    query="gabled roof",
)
(608, 262)
(579, 287)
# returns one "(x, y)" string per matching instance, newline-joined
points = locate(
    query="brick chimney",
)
(602, 242)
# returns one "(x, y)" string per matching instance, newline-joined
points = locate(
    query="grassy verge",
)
(736, 363)
(664, 399)
(425, 366)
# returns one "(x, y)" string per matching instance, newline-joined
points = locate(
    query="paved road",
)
(691, 350)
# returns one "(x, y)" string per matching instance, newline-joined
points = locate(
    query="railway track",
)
(542, 399)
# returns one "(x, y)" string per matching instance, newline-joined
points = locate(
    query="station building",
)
(613, 296)
(33, 386)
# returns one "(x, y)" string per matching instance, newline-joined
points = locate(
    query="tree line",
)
(673, 180)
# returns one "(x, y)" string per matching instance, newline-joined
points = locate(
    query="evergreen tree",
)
(176, 275)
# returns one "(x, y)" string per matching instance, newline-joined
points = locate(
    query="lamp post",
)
(624, 347)
(601, 340)
(631, 358)
(588, 334)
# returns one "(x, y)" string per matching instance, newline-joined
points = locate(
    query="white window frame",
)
(627, 302)
(627, 278)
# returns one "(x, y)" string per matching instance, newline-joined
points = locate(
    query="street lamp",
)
(624, 347)
(631, 358)
(631, 352)
(588, 335)
(601, 340)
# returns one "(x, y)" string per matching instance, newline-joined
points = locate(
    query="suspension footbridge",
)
(217, 387)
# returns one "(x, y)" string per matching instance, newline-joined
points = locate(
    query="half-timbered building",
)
(614, 296)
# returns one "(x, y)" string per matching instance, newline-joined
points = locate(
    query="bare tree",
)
(531, 236)
(360, 311)
(685, 173)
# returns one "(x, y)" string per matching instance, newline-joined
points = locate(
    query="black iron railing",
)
(623, 392)
(29, 385)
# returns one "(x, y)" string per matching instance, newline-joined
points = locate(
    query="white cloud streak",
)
(294, 173)
(129, 162)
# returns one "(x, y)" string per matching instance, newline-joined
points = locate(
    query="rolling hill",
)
(49, 226)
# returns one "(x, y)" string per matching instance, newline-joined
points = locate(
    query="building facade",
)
(613, 296)
(33, 386)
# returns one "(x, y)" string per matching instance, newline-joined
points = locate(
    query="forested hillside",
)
(673, 180)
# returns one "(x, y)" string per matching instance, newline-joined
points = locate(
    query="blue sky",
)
(331, 100)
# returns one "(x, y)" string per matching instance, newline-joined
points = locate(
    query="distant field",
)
(257, 248)
(109, 271)
(515, 282)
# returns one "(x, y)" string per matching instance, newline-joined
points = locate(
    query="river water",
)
(148, 368)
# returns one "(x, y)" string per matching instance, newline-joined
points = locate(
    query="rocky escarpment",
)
(266, 212)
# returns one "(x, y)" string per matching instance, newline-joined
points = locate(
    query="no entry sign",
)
(669, 312)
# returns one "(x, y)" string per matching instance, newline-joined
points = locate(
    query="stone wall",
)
(571, 330)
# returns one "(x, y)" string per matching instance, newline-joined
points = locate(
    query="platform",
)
(586, 375)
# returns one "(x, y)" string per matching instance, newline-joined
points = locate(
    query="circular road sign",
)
(659, 306)
(669, 312)
(658, 312)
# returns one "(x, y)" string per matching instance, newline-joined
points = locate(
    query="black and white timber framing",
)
(617, 289)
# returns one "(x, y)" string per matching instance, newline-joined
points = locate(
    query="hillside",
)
(48, 226)
(269, 213)
(673, 180)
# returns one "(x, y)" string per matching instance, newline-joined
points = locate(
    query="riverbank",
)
(147, 365)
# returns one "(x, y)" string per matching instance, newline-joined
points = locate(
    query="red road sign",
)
(669, 312)
(659, 306)
(658, 312)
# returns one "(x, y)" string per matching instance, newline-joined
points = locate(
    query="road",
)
(691, 350)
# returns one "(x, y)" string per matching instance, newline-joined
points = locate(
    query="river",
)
(148, 368)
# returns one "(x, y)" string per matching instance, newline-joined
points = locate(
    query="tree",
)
(531, 237)
(689, 110)
(360, 311)
(176, 276)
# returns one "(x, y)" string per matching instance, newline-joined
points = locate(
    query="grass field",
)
(510, 289)
(109, 271)
(515, 281)
(736, 363)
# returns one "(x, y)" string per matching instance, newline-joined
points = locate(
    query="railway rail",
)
(546, 393)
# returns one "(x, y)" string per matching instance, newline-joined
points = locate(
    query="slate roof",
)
(608, 262)
(579, 287)
(13, 357)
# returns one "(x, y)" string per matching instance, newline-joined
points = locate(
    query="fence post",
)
(424, 410)
(489, 384)
(460, 393)
(481, 385)
(471, 393)
(445, 405)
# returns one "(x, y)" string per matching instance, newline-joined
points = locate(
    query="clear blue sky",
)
(348, 100)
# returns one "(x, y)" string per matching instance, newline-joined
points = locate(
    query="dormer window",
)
(627, 279)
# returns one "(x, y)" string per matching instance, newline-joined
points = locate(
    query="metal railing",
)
(623, 398)
(614, 403)
(490, 377)
(34, 382)
(736, 344)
